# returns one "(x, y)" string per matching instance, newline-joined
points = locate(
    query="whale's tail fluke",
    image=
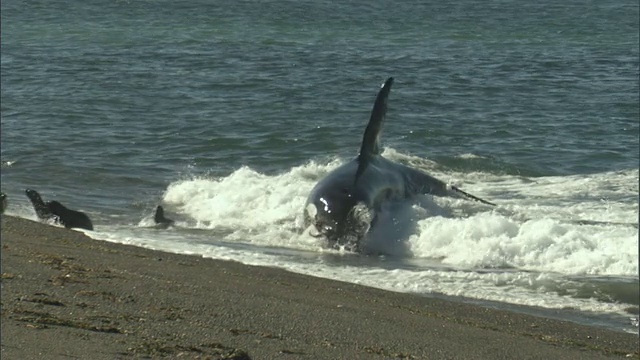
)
(370, 141)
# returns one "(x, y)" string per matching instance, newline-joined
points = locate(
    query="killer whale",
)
(344, 204)
(53, 210)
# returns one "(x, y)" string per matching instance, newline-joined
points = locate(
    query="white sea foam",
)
(491, 240)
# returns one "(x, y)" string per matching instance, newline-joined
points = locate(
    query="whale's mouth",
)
(345, 233)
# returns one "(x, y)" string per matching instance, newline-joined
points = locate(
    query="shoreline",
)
(67, 295)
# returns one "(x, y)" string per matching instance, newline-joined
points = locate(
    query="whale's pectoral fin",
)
(467, 195)
(370, 141)
(420, 183)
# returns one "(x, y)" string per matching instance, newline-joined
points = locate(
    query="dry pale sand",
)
(66, 296)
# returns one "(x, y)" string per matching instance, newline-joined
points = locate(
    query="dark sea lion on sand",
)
(42, 209)
(160, 220)
(53, 210)
(3, 199)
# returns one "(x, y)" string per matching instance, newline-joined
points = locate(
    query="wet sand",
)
(67, 296)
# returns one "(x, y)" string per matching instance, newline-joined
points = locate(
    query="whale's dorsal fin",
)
(371, 136)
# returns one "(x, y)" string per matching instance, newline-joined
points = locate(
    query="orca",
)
(344, 205)
(58, 213)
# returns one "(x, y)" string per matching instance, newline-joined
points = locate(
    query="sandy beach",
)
(67, 296)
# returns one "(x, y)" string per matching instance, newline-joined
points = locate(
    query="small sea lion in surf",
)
(160, 220)
(53, 210)
(3, 199)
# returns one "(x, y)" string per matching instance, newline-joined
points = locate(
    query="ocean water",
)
(228, 112)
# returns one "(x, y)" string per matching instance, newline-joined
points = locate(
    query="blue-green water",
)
(227, 113)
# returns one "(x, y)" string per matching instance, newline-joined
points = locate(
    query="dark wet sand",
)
(66, 296)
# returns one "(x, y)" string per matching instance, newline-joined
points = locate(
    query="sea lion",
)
(160, 220)
(53, 210)
(3, 199)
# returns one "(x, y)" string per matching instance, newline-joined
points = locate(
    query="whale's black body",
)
(345, 203)
(55, 211)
